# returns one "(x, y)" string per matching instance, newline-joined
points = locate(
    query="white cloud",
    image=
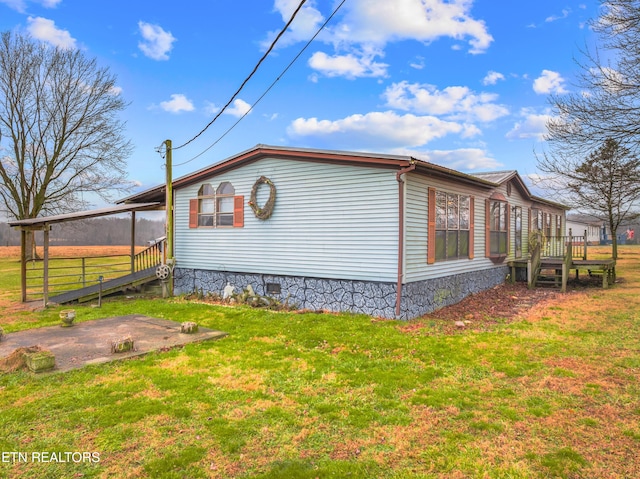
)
(157, 43)
(21, 5)
(462, 159)
(177, 104)
(549, 82)
(379, 129)
(349, 66)
(211, 108)
(492, 78)
(455, 102)
(379, 22)
(612, 80)
(369, 25)
(18, 5)
(418, 64)
(304, 26)
(533, 125)
(239, 108)
(552, 18)
(46, 30)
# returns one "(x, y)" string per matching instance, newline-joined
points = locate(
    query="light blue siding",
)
(416, 267)
(329, 221)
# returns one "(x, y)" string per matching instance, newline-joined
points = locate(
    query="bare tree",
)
(593, 137)
(60, 136)
(604, 185)
(606, 103)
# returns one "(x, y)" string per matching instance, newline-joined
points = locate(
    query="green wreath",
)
(263, 213)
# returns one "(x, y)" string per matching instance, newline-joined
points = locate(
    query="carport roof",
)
(39, 223)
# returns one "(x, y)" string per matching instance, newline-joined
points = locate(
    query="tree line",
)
(97, 231)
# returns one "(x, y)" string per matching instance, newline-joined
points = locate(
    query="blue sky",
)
(462, 83)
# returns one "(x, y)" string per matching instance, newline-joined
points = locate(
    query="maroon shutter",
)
(487, 227)
(238, 211)
(193, 213)
(431, 227)
(508, 228)
(471, 225)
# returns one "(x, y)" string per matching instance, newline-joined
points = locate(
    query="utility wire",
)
(255, 69)
(268, 89)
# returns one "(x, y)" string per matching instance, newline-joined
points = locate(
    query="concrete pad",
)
(89, 342)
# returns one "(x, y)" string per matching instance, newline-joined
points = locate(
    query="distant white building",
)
(578, 228)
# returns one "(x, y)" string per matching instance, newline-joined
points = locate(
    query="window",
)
(547, 225)
(533, 215)
(216, 208)
(205, 205)
(517, 211)
(450, 228)
(224, 204)
(497, 227)
(559, 226)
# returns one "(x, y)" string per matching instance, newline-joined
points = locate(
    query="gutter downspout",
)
(399, 174)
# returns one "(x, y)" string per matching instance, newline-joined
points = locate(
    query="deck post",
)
(565, 273)
(133, 242)
(569, 250)
(45, 272)
(584, 256)
(23, 264)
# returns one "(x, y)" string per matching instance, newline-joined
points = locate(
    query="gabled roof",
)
(502, 177)
(258, 152)
(498, 177)
(395, 162)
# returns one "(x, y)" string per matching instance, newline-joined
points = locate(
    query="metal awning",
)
(41, 223)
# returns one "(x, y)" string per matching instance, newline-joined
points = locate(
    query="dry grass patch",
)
(228, 377)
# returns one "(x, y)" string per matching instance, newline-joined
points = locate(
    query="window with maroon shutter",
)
(450, 226)
(216, 208)
(225, 204)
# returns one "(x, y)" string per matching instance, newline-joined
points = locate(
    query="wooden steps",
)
(549, 274)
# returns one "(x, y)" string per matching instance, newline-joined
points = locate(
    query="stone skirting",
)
(368, 297)
(423, 297)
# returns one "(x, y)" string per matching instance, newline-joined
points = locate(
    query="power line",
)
(268, 89)
(255, 69)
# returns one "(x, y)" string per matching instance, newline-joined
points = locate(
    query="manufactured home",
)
(389, 236)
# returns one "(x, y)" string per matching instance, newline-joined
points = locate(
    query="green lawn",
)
(290, 395)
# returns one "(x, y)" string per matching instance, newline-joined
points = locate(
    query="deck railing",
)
(70, 273)
(151, 256)
(569, 246)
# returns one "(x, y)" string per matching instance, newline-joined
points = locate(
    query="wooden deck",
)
(551, 260)
(555, 271)
(604, 267)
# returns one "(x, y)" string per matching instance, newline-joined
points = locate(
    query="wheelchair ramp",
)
(112, 286)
